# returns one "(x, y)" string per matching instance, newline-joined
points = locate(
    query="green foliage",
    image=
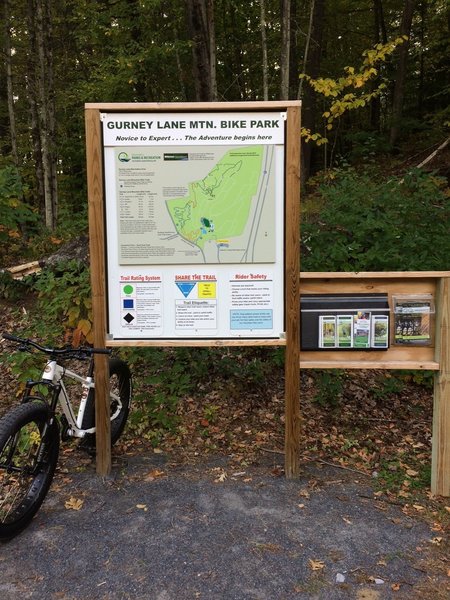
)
(387, 385)
(166, 376)
(364, 148)
(163, 377)
(16, 214)
(367, 224)
(64, 301)
(330, 387)
(11, 289)
(423, 378)
(24, 366)
(393, 474)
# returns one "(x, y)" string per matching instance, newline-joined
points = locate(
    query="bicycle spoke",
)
(19, 468)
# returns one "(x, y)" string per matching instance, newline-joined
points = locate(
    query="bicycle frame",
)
(53, 376)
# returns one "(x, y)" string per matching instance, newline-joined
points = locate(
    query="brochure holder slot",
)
(413, 319)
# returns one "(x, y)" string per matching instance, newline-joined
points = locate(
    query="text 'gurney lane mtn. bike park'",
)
(30, 432)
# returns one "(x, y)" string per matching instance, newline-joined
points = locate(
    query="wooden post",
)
(292, 287)
(440, 459)
(97, 257)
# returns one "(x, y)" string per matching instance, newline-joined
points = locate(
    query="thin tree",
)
(200, 18)
(9, 81)
(42, 105)
(311, 66)
(400, 79)
(380, 36)
(265, 67)
(285, 47)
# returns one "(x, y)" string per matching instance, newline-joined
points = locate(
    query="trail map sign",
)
(194, 219)
(194, 206)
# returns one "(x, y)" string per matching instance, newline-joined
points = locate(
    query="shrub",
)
(370, 225)
(16, 214)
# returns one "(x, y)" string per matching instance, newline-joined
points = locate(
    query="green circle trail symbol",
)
(128, 289)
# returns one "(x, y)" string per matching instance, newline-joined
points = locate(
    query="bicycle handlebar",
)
(81, 352)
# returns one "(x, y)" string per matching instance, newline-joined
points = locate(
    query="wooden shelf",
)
(367, 364)
(375, 275)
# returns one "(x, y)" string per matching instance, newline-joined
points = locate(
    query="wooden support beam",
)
(292, 288)
(97, 257)
(440, 460)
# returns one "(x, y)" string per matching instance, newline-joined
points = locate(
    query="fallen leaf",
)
(412, 473)
(436, 541)
(152, 475)
(142, 507)
(316, 565)
(347, 521)
(74, 503)
(418, 507)
(395, 587)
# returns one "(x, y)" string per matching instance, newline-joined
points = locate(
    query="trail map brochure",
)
(327, 333)
(361, 330)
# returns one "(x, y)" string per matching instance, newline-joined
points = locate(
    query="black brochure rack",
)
(321, 313)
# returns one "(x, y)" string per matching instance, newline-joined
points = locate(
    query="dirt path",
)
(160, 531)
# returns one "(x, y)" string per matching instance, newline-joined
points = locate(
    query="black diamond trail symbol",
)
(128, 318)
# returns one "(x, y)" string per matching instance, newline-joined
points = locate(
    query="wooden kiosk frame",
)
(435, 358)
(95, 175)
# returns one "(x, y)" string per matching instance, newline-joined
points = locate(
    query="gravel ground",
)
(164, 532)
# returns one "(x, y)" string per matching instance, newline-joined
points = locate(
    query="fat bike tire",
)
(120, 385)
(28, 458)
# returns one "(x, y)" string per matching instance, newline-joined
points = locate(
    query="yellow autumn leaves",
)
(338, 89)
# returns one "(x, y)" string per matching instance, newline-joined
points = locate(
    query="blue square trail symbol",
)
(128, 303)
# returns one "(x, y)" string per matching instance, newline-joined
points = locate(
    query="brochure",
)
(361, 330)
(413, 318)
(345, 331)
(327, 333)
(380, 331)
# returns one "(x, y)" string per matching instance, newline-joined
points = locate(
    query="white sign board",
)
(195, 224)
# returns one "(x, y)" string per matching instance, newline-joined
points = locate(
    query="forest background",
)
(374, 80)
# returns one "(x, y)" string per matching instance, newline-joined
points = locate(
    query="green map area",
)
(217, 207)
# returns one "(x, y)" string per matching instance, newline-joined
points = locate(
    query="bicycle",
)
(30, 432)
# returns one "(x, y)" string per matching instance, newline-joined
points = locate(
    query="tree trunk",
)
(200, 17)
(380, 35)
(181, 73)
(44, 82)
(313, 53)
(420, 95)
(306, 52)
(399, 89)
(211, 32)
(9, 83)
(32, 98)
(42, 105)
(51, 113)
(285, 47)
(265, 67)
